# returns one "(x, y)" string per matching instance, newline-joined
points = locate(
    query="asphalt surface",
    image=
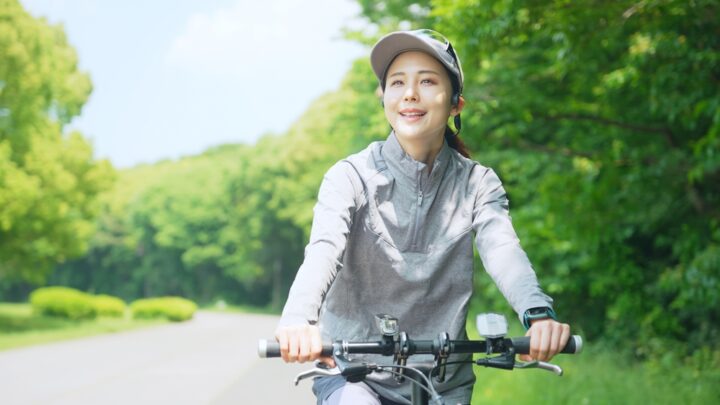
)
(211, 359)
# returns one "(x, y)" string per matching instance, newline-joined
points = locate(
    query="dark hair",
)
(451, 137)
(453, 140)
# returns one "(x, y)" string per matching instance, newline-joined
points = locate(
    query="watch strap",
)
(537, 313)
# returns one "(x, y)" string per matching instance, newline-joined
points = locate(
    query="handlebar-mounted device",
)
(391, 335)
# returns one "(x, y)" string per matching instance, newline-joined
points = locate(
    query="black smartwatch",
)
(537, 313)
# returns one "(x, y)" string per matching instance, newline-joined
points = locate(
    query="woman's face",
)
(417, 97)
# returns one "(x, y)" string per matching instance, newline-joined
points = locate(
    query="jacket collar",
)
(403, 165)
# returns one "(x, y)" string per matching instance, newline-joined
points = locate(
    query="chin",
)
(414, 133)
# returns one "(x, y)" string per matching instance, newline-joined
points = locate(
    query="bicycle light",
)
(387, 324)
(491, 326)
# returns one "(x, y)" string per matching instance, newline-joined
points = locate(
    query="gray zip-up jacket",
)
(387, 237)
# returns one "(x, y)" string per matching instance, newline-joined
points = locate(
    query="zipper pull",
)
(420, 197)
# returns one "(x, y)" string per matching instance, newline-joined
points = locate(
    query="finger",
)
(535, 338)
(556, 332)
(564, 335)
(315, 343)
(293, 346)
(282, 338)
(304, 345)
(545, 342)
(561, 334)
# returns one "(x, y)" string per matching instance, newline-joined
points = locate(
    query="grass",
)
(599, 376)
(19, 327)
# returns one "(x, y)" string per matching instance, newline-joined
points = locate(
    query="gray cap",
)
(428, 41)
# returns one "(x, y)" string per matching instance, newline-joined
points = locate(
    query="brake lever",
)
(541, 365)
(316, 372)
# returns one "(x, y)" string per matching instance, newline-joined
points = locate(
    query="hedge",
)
(172, 308)
(74, 304)
(66, 302)
(107, 305)
(63, 302)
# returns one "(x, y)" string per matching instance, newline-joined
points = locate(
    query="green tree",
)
(603, 119)
(162, 231)
(48, 180)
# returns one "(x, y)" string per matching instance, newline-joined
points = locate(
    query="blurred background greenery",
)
(601, 117)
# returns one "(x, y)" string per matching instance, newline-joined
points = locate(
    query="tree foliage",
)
(603, 120)
(48, 180)
(161, 231)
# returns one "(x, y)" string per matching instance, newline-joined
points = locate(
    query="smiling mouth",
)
(412, 114)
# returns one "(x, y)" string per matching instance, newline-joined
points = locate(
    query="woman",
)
(393, 233)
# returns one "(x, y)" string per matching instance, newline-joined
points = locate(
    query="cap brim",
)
(393, 44)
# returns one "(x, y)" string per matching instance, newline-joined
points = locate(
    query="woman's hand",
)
(547, 338)
(301, 343)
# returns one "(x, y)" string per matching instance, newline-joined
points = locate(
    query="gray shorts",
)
(336, 391)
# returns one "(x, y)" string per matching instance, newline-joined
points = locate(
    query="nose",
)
(411, 93)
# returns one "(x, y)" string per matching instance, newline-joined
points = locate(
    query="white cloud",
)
(260, 38)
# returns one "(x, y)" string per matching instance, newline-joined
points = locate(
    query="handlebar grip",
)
(270, 348)
(574, 345)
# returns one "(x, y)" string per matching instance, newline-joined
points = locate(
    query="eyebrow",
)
(421, 72)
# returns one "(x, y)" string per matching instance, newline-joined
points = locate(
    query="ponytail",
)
(453, 140)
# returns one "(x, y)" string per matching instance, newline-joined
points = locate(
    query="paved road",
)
(209, 360)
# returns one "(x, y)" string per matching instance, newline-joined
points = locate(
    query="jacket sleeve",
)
(499, 247)
(332, 220)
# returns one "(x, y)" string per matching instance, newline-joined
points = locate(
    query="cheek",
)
(390, 100)
(391, 95)
(441, 99)
(387, 108)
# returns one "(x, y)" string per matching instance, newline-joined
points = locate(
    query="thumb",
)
(329, 361)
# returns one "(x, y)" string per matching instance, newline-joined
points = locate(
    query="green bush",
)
(107, 305)
(172, 308)
(63, 302)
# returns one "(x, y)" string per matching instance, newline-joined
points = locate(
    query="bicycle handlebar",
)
(574, 345)
(270, 348)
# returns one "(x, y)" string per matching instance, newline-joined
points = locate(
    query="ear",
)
(456, 109)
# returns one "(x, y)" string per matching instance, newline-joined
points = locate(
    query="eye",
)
(396, 82)
(427, 81)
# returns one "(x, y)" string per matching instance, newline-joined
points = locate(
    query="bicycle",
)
(492, 327)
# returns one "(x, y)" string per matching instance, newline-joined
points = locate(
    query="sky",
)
(172, 78)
